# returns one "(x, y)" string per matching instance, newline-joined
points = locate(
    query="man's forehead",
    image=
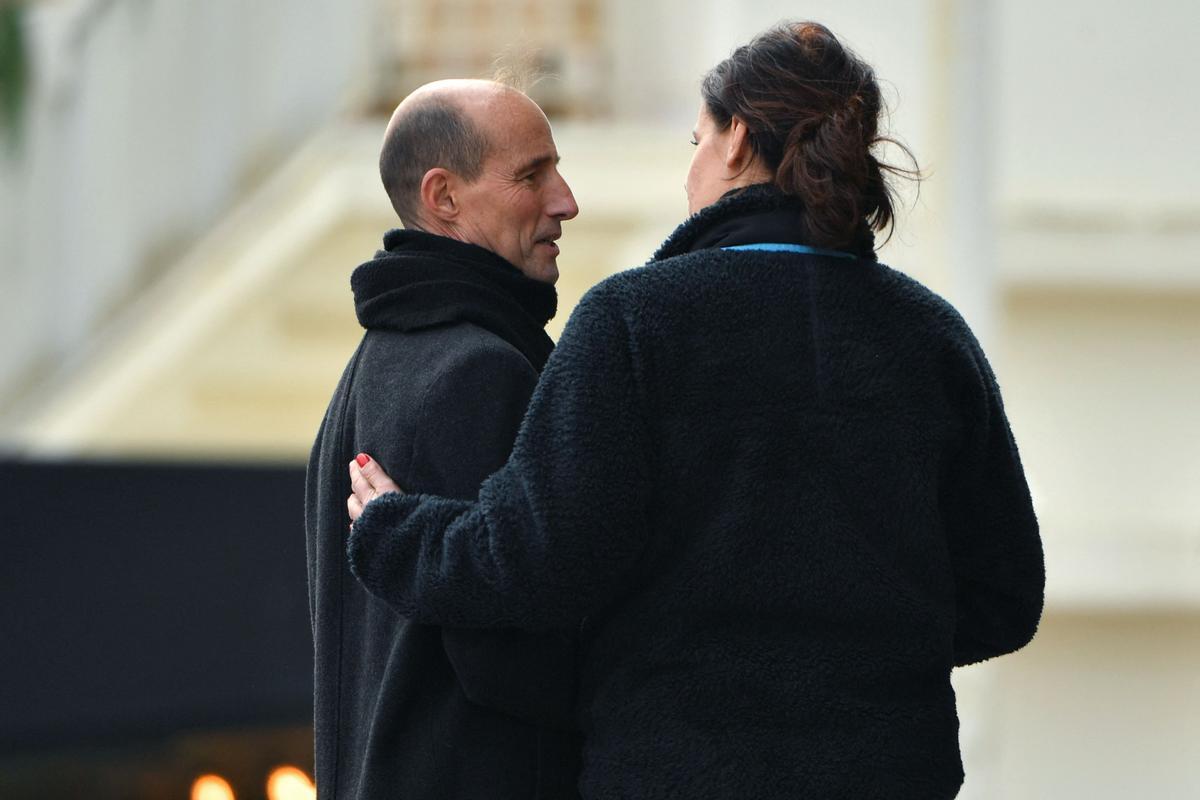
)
(518, 158)
(538, 160)
(521, 140)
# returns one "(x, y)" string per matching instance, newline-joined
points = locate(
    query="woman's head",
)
(796, 108)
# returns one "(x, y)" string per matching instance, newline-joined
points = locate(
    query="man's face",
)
(517, 206)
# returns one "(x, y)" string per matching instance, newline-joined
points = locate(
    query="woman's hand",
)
(368, 481)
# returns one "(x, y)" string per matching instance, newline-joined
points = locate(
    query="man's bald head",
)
(475, 161)
(441, 124)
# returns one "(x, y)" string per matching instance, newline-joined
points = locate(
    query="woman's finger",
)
(354, 506)
(379, 480)
(359, 483)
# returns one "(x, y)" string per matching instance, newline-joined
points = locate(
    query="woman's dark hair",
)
(812, 108)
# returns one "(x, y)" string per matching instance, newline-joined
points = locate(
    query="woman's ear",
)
(740, 154)
(437, 195)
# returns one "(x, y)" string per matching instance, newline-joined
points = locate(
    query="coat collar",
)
(758, 213)
(420, 280)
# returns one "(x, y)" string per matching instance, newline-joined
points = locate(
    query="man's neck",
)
(436, 228)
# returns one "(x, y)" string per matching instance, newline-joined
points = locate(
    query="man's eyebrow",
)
(538, 162)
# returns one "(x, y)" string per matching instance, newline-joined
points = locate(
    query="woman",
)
(768, 478)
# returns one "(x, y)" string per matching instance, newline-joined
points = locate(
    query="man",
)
(454, 309)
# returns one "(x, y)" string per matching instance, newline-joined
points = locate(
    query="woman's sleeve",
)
(992, 532)
(556, 533)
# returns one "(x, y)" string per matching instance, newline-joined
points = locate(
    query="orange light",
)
(290, 783)
(212, 787)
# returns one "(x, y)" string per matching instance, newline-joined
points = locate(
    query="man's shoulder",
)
(469, 352)
(441, 364)
(411, 387)
(442, 347)
(469, 404)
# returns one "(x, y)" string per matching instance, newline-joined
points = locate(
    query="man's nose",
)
(562, 204)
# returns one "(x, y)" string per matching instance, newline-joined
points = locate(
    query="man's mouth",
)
(549, 242)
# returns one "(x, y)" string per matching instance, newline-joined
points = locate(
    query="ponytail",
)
(813, 109)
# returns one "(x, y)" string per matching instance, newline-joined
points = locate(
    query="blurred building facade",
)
(181, 225)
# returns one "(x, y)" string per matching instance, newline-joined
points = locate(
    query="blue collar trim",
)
(778, 247)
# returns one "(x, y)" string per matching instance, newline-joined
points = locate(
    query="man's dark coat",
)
(781, 489)
(435, 392)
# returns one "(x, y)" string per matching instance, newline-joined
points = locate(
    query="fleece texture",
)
(780, 494)
(453, 347)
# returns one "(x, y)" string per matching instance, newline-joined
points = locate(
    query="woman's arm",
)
(556, 533)
(992, 532)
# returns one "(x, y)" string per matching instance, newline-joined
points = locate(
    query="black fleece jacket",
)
(453, 346)
(780, 490)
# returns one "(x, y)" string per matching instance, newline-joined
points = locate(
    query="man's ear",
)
(438, 199)
(739, 155)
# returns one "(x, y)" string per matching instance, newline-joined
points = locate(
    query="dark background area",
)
(142, 602)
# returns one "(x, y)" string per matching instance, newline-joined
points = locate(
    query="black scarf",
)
(420, 280)
(752, 214)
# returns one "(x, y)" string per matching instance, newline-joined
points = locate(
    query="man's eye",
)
(529, 178)
(694, 142)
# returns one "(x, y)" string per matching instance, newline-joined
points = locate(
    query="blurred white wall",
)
(1096, 109)
(145, 121)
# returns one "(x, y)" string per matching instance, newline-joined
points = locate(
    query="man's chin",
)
(542, 268)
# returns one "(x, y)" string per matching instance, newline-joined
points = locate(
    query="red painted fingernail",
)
(362, 459)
